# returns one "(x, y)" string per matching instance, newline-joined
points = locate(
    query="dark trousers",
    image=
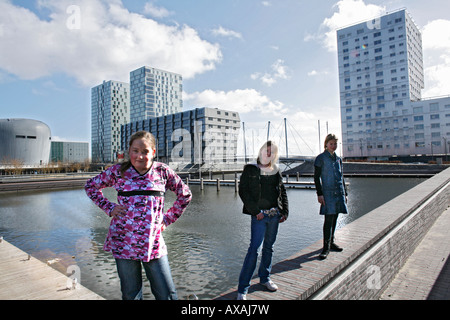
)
(329, 226)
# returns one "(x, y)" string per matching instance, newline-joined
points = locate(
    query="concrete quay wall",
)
(380, 242)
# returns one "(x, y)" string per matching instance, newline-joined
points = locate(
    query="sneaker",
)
(241, 296)
(270, 285)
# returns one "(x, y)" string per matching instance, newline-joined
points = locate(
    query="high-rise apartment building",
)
(381, 76)
(110, 108)
(154, 93)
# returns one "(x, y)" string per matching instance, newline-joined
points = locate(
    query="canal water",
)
(207, 245)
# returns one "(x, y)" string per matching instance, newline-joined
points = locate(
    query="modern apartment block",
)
(110, 108)
(69, 152)
(381, 77)
(154, 93)
(201, 135)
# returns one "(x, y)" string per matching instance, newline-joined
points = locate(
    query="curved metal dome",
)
(24, 140)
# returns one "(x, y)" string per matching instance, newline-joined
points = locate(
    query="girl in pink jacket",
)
(134, 235)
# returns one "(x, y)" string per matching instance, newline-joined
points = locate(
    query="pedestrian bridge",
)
(376, 246)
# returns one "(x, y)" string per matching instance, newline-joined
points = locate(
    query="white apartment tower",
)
(110, 109)
(380, 81)
(154, 93)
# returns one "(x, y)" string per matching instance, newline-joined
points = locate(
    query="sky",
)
(269, 60)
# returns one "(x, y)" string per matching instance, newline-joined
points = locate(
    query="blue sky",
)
(268, 60)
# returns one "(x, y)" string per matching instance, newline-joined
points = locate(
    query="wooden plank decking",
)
(27, 278)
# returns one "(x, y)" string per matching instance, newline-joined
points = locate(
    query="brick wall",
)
(380, 242)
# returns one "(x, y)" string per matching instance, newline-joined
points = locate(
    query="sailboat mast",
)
(245, 146)
(285, 137)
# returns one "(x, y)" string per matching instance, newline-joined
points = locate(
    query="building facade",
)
(154, 93)
(110, 109)
(69, 152)
(381, 77)
(24, 143)
(201, 135)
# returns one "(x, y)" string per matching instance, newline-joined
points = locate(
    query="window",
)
(435, 134)
(420, 144)
(434, 107)
(417, 110)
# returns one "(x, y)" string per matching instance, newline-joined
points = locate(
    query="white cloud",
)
(314, 73)
(57, 138)
(109, 42)
(279, 71)
(241, 100)
(348, 12)
(156, 12)
(436, 48)
(221, 31)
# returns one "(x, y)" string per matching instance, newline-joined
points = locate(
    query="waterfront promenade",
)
(399, 250)
(23, 277)
(426, 273)
(43, 182)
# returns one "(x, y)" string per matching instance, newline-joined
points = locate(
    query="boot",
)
(334, 246)
(325, 251)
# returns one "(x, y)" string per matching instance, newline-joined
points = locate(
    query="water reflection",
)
(206, 245)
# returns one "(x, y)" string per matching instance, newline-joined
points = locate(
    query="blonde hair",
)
(138, 135)
(273, 150)
(328, 138)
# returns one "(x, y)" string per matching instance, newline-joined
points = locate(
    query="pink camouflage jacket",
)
(137, 235)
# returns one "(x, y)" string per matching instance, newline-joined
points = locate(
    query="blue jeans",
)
(158, 273)
(264, 230)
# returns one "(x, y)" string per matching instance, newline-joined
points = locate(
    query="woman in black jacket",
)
(264, 196)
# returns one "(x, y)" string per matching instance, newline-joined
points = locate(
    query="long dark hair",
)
(138, 135)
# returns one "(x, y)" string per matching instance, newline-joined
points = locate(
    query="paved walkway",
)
(23, 277)
(424, 276)
(426, 273)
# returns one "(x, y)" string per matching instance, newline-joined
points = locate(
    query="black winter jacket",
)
(250, 191)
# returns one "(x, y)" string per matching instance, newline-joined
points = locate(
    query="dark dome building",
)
(24, 140)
